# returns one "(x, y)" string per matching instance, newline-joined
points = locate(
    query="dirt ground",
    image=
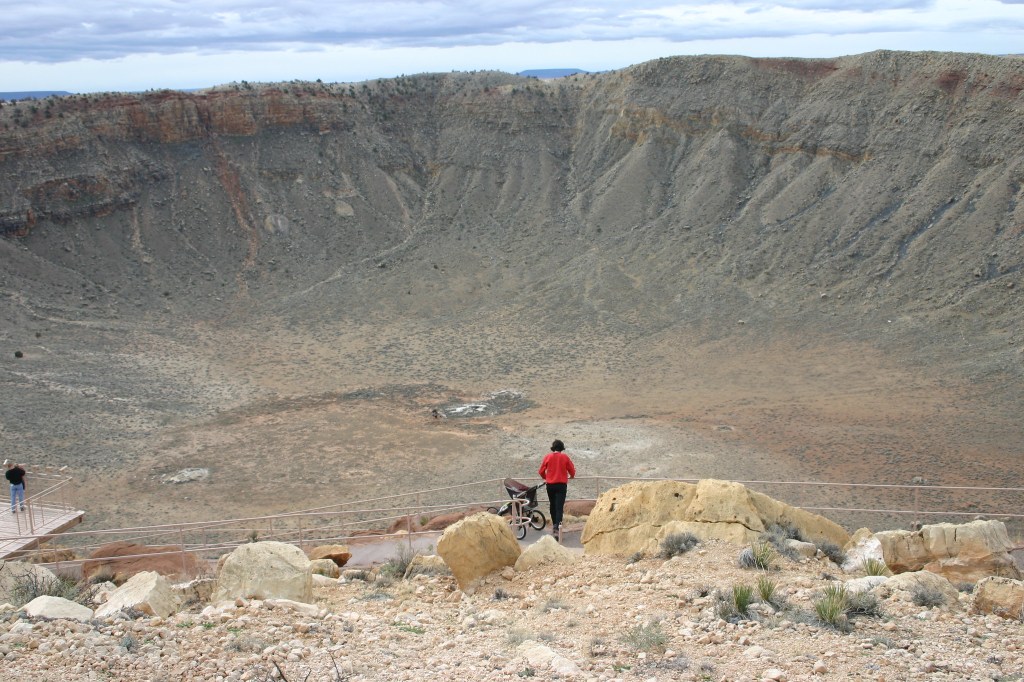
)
(302, 432)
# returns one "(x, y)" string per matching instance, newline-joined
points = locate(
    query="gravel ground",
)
(604, 618)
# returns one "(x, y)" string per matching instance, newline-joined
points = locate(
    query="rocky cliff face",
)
(877, 181)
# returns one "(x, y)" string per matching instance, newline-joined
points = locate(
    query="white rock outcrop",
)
(1001, 596)
(960, 552)
(545, 551)
(57, 607)
(265, 570)
(147, 592)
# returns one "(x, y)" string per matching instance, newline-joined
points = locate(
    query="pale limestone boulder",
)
(13, 573)
(325, 567)
(863, 545)
(57, 607)
(545, 551)
(264, 570)
(477, 546)
(545, 658)
(196, 591)
(148, 592)
(309, 610)
(339, 554)
(806, 550)
(902, 587)
(960, 552)
(865, 583)
(1000, 596)
(637, 516)
(427, 564)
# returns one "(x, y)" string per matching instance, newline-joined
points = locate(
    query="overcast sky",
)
(94, 45)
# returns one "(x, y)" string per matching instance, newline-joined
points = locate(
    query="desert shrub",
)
(396, 566)
(517, 636)
(965, 588)
(675, 544)
(702, 590)
(500, 595)
(759, 555)
(130, 644)
(30, 585)
(777, 536)
(872, 566)
(646, 637)
(922, 595)
(833, 551)
(863, 604)
(634, 557)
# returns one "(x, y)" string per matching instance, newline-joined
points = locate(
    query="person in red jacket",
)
(556, 470)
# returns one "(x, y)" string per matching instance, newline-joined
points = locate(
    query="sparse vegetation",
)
(635, 557)
(831, 608)
(676, 544)
(759, 555)
(833, 552)
(31, 584)
(929, 597)
(767, 590)
(648, 637)
(872, 566)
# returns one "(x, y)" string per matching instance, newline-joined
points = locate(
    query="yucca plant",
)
(759, 555)
(742, 598)
(832, 607)
(767, 590)
(872, 566)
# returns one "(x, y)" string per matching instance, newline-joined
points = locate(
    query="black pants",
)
(556, 496)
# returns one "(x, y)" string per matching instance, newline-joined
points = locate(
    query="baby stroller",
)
(522, 508)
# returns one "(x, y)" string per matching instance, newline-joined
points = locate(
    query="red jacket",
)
(557, 468)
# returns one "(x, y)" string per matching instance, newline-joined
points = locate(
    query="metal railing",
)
(401, 517)
(50, 503)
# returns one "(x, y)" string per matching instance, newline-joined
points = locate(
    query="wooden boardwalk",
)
(46, 515)
(27, 529)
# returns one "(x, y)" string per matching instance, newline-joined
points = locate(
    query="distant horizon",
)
(139, 45)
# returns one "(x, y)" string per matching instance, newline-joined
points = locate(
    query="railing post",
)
(184, 565)
(301, 537)
(408, 528)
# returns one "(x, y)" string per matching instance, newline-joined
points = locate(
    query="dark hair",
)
(557, 446)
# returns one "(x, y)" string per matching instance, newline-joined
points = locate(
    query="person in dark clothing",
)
(556, 470)
(16, 477)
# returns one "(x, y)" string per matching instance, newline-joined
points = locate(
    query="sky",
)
(130, 45)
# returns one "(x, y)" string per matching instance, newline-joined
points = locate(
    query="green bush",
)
(831, 607)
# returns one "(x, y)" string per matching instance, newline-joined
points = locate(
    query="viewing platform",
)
(47, 513)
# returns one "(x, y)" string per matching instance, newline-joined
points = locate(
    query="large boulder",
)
(960, 552)
(545, 551)
(635, 517)
(1001, 596)
(863, 545)
(57, 608)
(147, 592)
(339, 554)
(119, 561)
(477, 546)
(18, 580)
(265, 570)
(905, 585)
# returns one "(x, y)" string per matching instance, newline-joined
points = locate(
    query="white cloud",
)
(221, 40)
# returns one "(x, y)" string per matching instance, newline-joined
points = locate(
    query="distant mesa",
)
(33, 94)
(547, 74)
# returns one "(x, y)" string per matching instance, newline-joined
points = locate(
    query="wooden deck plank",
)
(25, 530)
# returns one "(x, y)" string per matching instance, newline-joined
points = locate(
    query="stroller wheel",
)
(538, 520)
(519, 528)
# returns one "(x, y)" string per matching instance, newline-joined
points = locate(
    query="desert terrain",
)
(694, 267)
